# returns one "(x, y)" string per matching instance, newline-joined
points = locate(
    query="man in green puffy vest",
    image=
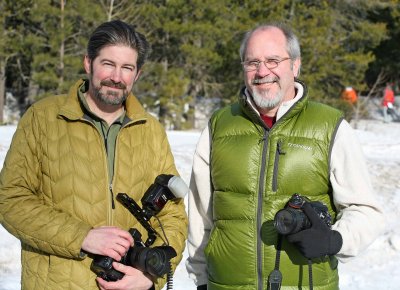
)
(253, 157)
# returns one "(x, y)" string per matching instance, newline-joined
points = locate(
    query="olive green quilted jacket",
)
(54, 188)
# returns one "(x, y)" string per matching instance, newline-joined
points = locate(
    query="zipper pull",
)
(280, 149)
(112, 197)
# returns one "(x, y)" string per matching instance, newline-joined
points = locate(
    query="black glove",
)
(202, 287)
(317, 241)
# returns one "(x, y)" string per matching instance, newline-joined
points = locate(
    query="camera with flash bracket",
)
(154, 261)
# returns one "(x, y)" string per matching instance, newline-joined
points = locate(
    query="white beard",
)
(263, 99)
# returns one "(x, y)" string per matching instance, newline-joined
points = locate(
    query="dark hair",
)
(117, 32)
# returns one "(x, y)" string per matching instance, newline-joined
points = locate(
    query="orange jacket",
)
(388, 97)
(349, 95)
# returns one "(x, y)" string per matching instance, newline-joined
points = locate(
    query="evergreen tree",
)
(195, 46)
(60, 30)
(3, 58)
(336, 39)
(14, 55)
(387, 56)
(187, 39)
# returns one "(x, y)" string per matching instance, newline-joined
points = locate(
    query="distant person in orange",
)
(349, 95)
(387, 102)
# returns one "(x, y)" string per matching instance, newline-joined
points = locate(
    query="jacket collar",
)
(73, 110)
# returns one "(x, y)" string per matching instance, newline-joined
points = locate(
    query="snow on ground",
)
(376, 268)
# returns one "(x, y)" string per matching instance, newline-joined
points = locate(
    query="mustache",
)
(265, 80)
(110, 83)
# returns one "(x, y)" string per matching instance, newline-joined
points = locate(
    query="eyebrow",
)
(109, 60)
(122, 65)
(267, 57)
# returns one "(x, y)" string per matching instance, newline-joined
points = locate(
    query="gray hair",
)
(117, 32)
(292, 43)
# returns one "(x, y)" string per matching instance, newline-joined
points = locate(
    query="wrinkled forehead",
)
(266, 43)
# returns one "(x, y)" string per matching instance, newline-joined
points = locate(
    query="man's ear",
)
(86, 64)
(137, 75)
(296, 67)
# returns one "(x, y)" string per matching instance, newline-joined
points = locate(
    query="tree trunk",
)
(380, 80)
(2, 89)
(62, 50)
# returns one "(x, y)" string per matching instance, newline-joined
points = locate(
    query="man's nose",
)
(116, 75)
(263, 69)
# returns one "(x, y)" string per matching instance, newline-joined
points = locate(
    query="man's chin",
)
(262, 94)
(265, 101)
(111, 99)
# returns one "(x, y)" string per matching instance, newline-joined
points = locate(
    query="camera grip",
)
(102, 266)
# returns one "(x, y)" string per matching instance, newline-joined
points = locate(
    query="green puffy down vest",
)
(254, 172)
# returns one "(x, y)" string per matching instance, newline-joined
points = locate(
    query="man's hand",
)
(317, 241)
(134, 279)
(108, 241)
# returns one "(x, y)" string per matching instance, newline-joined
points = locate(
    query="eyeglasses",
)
(272, 63)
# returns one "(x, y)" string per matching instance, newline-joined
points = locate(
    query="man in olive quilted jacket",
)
(71, 155)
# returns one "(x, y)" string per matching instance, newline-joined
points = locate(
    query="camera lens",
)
(157, 263)
(288, 221)
(154, 261)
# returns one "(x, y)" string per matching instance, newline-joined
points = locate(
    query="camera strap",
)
(275, 277)
(310, 278)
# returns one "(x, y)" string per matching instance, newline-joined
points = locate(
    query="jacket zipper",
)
(115, 158)
(279, 151)
(105, 136)
(105, 147)
(112, 197)
(110, 186)
(259, 210)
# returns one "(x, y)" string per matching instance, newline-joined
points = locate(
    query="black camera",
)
(154, 261)
(292, 219)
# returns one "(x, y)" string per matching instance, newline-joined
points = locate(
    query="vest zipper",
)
(261, 186)
(279, 151)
